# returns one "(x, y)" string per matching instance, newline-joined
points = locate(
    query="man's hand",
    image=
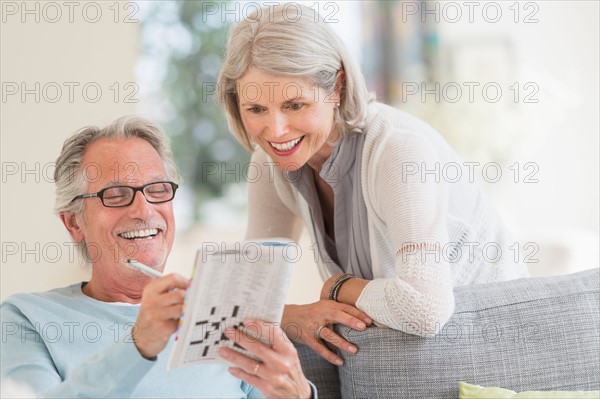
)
(161, 308)
(303, 322)
(277, 373)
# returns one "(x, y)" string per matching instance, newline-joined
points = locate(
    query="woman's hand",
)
(277, 373)
(302, 323)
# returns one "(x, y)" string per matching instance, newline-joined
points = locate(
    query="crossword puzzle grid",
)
(208, 333)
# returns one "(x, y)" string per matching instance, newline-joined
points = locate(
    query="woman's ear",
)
(69, 219)
(340, 85)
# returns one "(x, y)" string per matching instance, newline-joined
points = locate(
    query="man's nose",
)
(140, 208)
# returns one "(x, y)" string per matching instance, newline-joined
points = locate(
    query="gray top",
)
(350, 252)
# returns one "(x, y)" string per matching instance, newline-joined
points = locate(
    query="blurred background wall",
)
(63, 66)
(512, 86)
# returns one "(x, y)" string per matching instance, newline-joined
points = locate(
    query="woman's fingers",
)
(325, 312)
(323, 351)
(348, 315)
(312, 325)
(328, 335)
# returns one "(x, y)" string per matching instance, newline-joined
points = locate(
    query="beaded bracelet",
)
(335, 287)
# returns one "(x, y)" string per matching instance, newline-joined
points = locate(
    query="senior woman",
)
(391, 237)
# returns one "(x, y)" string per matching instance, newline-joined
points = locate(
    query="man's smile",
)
(143, 234)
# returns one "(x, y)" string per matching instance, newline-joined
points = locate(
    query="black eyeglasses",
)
(118, 196)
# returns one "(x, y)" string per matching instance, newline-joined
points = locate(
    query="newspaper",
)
(231, 283)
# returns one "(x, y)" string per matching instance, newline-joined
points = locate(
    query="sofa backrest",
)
(530, 334)
(320, 372)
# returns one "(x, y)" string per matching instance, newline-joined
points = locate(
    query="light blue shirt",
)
(63, 343)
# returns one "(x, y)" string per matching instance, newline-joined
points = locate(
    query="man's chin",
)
(148, 253)
(157, 264)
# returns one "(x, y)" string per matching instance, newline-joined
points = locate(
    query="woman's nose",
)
(279, 125)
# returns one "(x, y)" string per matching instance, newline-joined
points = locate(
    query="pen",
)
(140, 267)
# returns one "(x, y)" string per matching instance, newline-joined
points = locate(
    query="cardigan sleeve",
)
(409, 204)
(268, 215)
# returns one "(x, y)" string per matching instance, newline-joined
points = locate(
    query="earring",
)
(338, 104)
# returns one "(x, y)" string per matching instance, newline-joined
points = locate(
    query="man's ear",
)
(69, 219)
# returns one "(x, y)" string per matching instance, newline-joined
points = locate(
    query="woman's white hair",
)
(69, 174)
(292, 40)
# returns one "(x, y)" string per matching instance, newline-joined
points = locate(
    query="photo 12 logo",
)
(36, 172)
(470, 11)
(53, 12)
(454, 172)
(54, 92)
(454, 92)
(55, 252)
(236, 11)
(67, 331)
(250, 252)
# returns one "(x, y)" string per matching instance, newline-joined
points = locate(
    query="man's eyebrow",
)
(154, 179)
(113, 183)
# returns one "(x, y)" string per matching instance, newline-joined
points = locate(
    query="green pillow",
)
(468, 391)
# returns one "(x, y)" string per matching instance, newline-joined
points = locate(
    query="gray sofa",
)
(538, 333)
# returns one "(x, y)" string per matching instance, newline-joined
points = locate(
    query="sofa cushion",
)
(320, 372)
(530, 334)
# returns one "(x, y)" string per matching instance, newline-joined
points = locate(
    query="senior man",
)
(107, 337)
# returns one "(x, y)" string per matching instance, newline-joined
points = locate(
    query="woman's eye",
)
(255, 110)
(295, 106)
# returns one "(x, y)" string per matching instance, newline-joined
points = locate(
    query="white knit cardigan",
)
(428, 230)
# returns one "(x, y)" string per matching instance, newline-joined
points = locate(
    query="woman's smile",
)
(286, 147)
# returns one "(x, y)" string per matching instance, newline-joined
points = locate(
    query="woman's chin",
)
(289, 166)
(286, 164)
